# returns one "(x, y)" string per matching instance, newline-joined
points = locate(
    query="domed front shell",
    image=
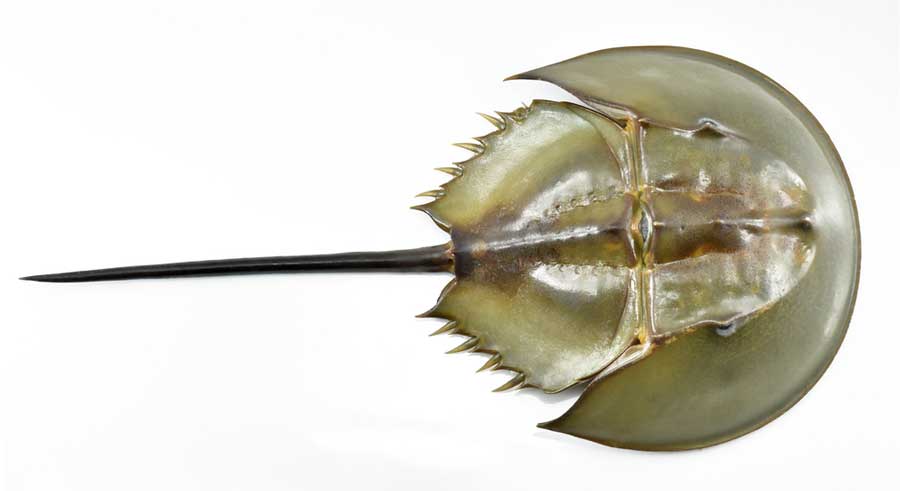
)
(581, 241)
(695, 192)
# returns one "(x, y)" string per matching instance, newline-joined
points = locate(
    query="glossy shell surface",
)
(686, 241)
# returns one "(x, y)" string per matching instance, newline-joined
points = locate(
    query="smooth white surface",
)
(137, 133)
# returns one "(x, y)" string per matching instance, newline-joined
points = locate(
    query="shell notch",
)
(685, 241)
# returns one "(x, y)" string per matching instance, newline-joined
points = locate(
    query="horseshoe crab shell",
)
(688, 242)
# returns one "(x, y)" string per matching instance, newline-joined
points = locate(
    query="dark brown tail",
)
(435, 258)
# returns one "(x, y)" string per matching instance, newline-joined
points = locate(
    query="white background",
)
(134, 133)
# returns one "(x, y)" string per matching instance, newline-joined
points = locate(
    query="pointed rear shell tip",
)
(529, 75)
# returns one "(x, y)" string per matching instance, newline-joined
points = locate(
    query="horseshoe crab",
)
(685, 242)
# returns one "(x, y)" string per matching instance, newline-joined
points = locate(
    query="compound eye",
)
(727, 330)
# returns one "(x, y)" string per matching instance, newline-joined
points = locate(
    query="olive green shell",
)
(686, 241)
